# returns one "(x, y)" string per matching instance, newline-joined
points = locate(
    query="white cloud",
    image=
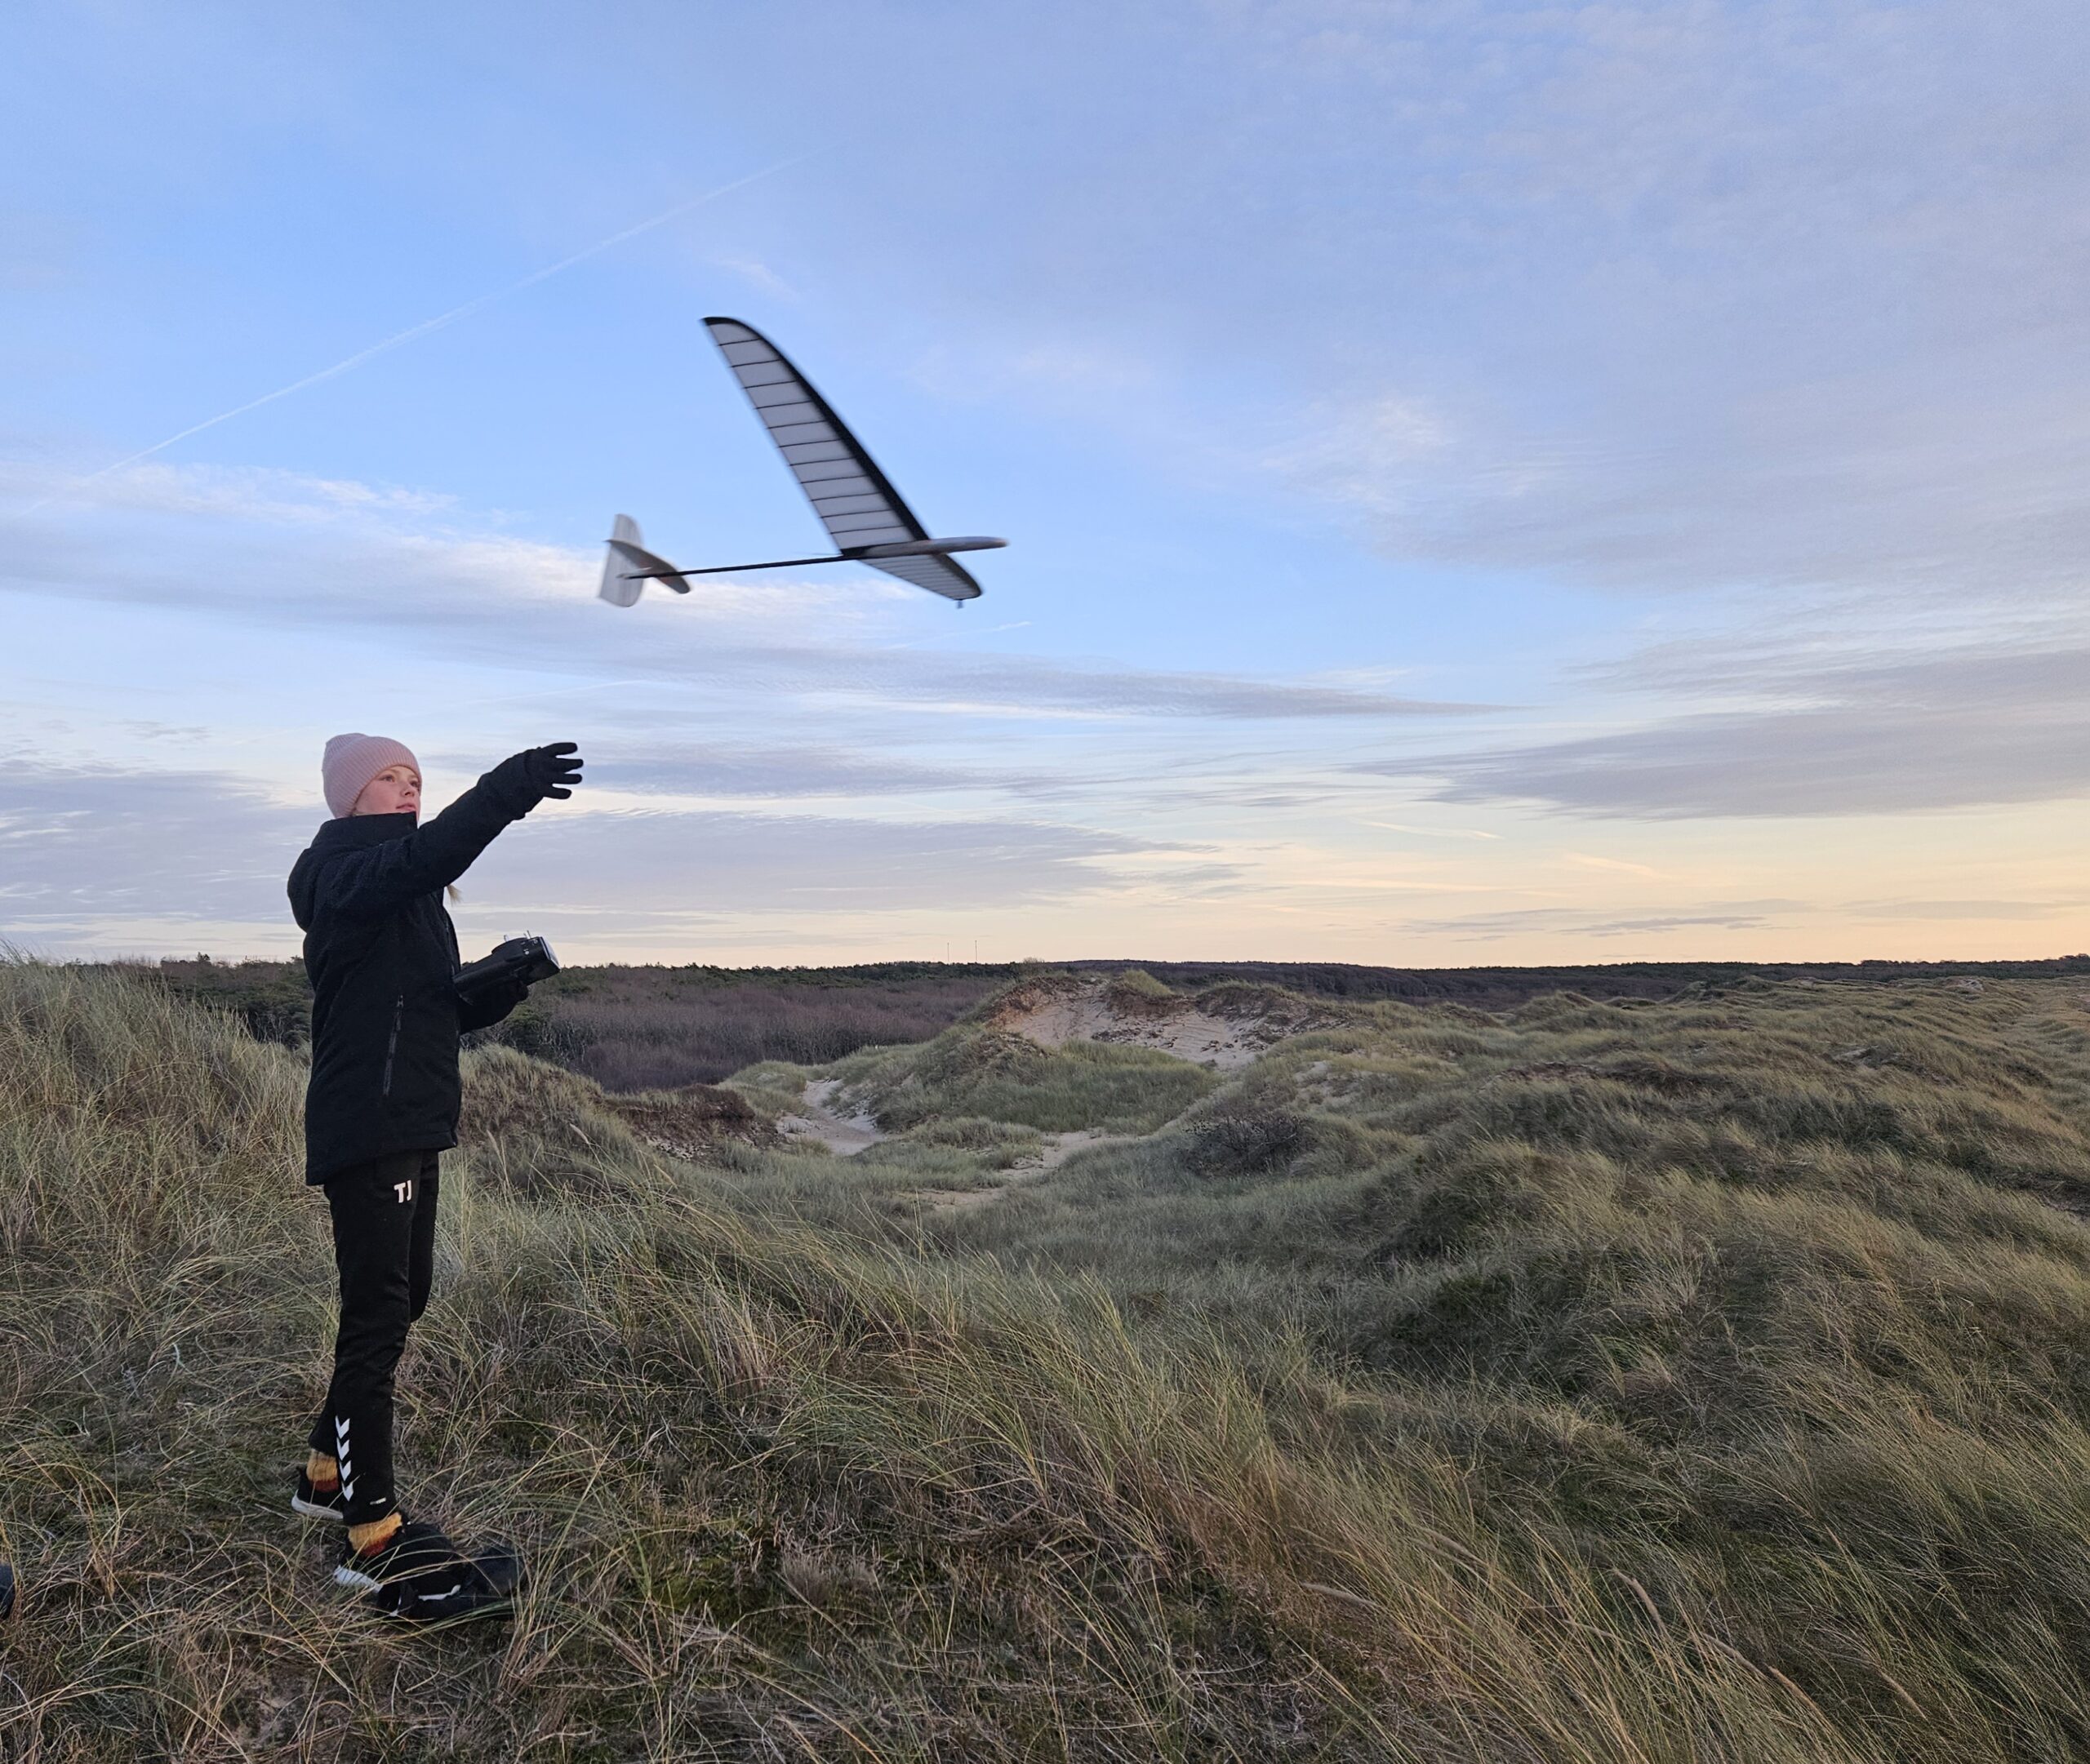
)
(83, 844)
(1947, 731)
(275, 548)
(1597, 922)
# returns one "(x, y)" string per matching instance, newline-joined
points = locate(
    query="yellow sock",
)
(375, 1535)
(322, 1472)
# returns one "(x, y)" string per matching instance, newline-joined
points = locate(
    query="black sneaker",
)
(420, 1576)
(319, 1504)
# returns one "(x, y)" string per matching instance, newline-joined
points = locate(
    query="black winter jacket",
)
(382, 952)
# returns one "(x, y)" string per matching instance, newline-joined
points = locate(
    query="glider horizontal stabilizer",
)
(855, 501)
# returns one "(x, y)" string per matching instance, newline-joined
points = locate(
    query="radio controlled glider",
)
(868, 520)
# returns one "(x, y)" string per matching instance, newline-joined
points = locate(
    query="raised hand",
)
(524, 779)
(553, 770)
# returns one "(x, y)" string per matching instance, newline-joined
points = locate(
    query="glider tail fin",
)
(630, 566)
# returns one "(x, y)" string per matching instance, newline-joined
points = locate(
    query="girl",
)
(381, 1107)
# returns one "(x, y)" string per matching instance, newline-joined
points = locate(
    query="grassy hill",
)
(1698, 1379)
(631, 1028)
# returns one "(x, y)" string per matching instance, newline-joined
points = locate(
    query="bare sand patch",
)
(1226, 1028)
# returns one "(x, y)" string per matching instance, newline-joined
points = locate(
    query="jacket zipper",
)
(392, 1046)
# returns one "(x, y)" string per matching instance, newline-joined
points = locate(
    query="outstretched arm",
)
(382, 879)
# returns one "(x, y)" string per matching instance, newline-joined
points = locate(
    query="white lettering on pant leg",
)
(403, 1192)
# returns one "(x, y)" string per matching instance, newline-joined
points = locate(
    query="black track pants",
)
(385, 1246)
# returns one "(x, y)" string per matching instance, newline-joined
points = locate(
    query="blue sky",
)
(1486, 483)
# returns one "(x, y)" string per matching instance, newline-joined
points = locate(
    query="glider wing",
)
(937, 574)
(855, 501)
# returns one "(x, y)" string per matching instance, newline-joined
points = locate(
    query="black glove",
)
(539, 772)
(492, 1005)
(553, 770)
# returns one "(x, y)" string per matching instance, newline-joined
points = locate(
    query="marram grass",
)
(1696, 1381)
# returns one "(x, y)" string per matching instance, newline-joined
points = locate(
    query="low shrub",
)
(1248, 1142)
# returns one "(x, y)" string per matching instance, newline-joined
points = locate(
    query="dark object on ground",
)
(486, 1586)
(6, 1591)
(421, 1577)
(521, 960)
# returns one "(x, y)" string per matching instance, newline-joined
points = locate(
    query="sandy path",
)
(1058, 1147)
(845, 1135)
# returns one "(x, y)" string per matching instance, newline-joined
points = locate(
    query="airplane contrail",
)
(426, 325)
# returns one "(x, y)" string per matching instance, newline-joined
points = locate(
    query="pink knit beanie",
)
(352, 761)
